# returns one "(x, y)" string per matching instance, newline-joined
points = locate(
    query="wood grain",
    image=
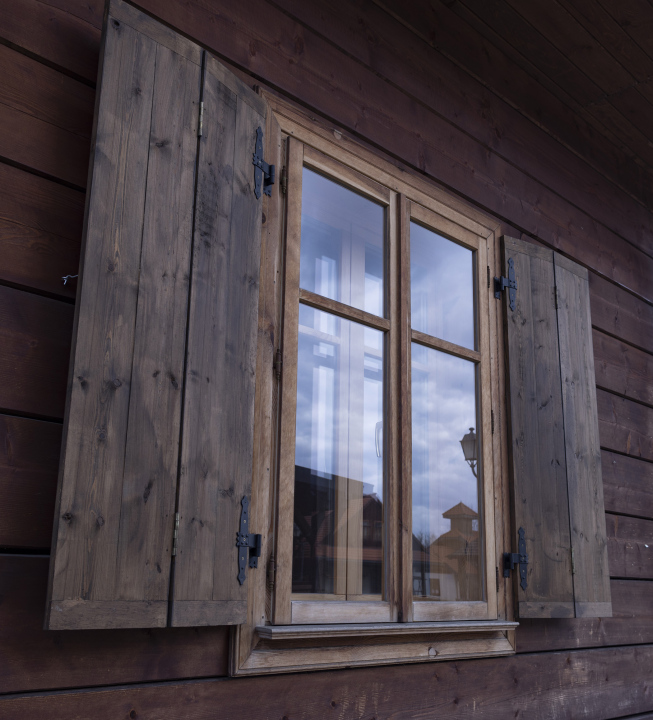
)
(630, 547)
(218, 427)
(537, 433)
(55, 34)
(627, 485)
(35, 659)
(616, 681)
(34, 350)
(29, 463)
(582, 449)
(623, 369)
(625, 426)
(631, 623)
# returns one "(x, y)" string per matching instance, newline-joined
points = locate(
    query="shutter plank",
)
(150, 473)
(583, 452)
(537, 434)
(217, 439)
(110, 565)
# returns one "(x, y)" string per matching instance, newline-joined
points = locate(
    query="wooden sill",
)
(297, 648)
(294, 632)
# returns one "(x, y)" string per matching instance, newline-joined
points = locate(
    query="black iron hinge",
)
(500, 284)
(511, 560)
(263, 173)
(278, 364)
(246, 539)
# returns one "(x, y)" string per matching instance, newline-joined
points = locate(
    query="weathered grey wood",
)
(218, 424)
(537, 447)
(583, 452)
(111, 559)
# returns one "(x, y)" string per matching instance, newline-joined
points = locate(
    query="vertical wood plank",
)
(537, 450)
(583, 452)
(218, 426)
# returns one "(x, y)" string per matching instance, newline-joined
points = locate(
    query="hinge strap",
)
(175, 535)
(245, 539)
(263, 173)
(500, 284)
(511, 560)
(201, 122)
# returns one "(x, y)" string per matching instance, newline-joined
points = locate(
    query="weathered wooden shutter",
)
(554, 449)
(161, 391)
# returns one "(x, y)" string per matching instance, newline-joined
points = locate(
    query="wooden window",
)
(358, 399)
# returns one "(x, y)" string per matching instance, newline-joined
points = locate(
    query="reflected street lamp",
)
(469, 445)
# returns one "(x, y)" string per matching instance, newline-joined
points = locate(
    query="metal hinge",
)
(555, 295)
(500, 284)
(201, 122)
(573, 562)
(175, 534)
(511, 560)
(278, 364)
(271, 573)
(284, 180)
(488, 277)
(492, 420)
(246, 539)
(263, 173)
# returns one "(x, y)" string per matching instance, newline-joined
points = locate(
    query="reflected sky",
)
(442, 287)
(341, 254)
(443, 410)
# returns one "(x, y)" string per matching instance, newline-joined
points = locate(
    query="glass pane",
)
(338, 516)
(446, 517)
(341, 253)
(441, 287)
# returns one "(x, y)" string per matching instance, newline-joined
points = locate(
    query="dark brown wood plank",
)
(37, 659)
(41, 146)
(630, 547)
(636, 19)
(38, 203)
(29, 463)
(622, 368)
(631, 623)
(56, 35)
(35, 89)
(625, 426)
(371, 35)
(218, 430)
(621, 314)
(537, 434)
(35, 337)
(582, 449)
(627, 485)
(491, 59)
(324, 78)
(598, 684)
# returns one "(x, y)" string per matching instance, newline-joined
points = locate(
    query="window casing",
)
(312, 303)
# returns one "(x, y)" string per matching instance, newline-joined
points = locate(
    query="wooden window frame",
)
(286, 635)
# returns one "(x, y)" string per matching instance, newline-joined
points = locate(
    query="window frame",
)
(273, 641)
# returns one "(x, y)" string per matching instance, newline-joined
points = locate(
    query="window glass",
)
(338, 512)
(442, 287)
(446, 516)
(341, 254)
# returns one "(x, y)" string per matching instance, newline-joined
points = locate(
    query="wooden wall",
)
(358, 66)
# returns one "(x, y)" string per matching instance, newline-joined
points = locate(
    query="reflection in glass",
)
(341, 254)
(442, 287)
(446, 517)
(338, 515)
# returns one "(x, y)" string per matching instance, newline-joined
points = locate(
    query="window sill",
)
(293, 648)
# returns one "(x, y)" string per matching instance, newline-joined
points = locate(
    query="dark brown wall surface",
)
(365, 70)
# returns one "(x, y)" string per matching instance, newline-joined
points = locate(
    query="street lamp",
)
(468, 444)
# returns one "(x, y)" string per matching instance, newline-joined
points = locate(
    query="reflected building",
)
(449, 566)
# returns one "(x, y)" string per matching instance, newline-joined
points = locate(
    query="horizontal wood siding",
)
(458, 108)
